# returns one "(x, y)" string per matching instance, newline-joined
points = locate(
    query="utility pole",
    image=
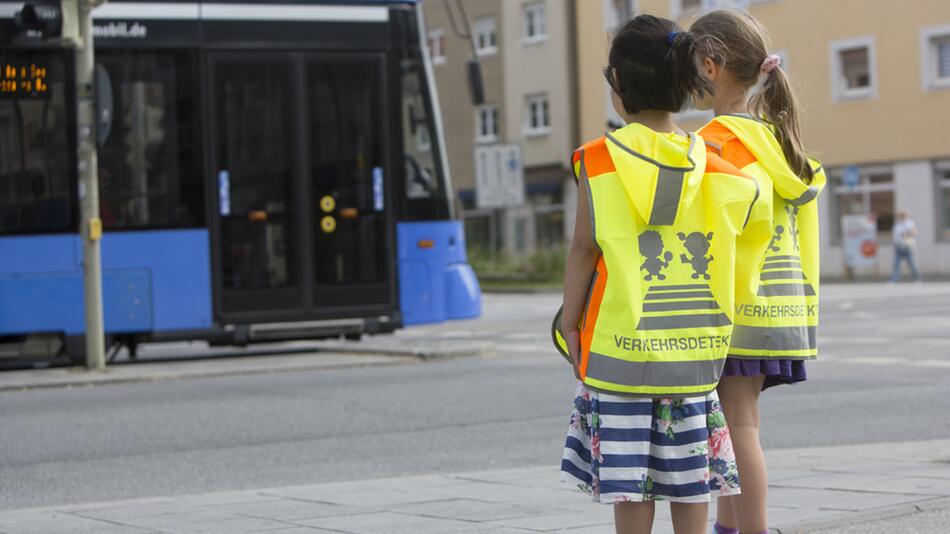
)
(69, 23)
(90, 223)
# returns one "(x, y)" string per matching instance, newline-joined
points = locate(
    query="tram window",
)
(37, 173)
(346, 153)
(425, 192)
(149, 165)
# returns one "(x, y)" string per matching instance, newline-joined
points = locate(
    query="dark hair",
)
(739, 44)
(652, 66)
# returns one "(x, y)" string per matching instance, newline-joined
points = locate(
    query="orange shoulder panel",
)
(722, 142)
(597, 159)
(715, 163)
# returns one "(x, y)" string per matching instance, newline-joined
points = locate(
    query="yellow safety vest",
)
(777, 292)
(658, 317)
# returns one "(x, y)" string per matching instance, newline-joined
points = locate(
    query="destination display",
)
(24, 80)
(25, 75)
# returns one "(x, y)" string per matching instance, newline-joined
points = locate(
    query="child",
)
(757, 129)
(648, 294)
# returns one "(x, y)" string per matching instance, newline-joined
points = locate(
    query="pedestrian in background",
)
(757, 129)
(651, 270)
(905, 245)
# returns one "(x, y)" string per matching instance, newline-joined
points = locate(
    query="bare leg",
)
(634, 517)
(689, 518)
(724, 507)
(739, 396)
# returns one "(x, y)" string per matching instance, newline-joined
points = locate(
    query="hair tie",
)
(670, 36)
(770, 63)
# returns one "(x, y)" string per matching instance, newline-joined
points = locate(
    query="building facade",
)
(874, 77)
(525, 49)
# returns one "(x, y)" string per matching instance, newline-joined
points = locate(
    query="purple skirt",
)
(776, 372)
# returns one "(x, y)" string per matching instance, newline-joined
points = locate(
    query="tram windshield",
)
(426, 192)
(36, 164)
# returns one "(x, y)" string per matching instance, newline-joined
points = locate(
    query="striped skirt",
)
(623, 449)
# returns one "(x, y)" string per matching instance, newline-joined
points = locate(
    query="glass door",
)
(351, 226)
(303, 228)
(255, 168)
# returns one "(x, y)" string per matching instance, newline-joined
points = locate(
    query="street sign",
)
(499, 176)
(859, 233)
(851, 176)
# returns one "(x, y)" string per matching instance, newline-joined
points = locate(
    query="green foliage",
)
(546, 265)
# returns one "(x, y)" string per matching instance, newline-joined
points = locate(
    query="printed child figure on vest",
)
(649, 290)
(756, 128)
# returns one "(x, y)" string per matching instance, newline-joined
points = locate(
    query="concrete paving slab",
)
(233, 525)
(470, 510)
(166, 520)
(297, 530)
(381, 497)
(559, 521)
(287, 509)
(53, 522)
(392, 523)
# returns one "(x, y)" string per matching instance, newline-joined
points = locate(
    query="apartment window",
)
(853, 69)
(935, 54)
(486, 41)
(437, 45)
(486, 124)
(538, 119)
(535, 25)
(872, 195)
(943, 195)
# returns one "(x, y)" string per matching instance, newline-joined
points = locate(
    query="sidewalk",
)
(902, 487)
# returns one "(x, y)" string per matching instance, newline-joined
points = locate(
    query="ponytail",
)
(777, 104)
(738, 43)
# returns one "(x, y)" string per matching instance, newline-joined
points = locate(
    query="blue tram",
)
(268, 171)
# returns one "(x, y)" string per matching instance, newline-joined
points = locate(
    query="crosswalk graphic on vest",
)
(684, 303)
(782, 274)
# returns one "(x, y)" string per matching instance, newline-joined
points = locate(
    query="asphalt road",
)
(884, 375)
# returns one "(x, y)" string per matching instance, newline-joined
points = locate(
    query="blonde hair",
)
(738, 43)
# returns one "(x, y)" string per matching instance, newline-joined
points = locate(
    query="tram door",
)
(303, 225)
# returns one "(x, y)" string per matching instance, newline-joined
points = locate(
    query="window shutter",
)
(943, 57)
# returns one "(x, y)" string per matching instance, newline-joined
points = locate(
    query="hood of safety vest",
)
(759, 138)
(660, 172)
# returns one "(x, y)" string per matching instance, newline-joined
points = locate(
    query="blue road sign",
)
(851, 176)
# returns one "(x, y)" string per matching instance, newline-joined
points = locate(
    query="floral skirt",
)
(622, 449)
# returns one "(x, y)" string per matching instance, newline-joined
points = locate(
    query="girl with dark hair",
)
(757, 128)
(648, 293)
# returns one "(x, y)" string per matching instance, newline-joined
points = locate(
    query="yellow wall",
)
(903, 122)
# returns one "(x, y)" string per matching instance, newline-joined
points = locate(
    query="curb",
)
(877, 514)
(483, 350)
(104, 379)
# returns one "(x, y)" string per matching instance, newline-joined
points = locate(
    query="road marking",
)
(884, 361)
(526, 348)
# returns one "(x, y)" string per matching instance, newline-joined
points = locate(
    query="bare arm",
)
(581, 262)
